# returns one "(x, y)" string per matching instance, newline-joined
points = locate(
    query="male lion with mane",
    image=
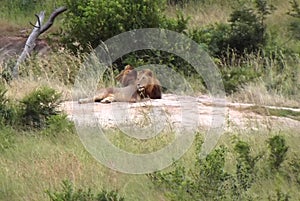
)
(136, 86)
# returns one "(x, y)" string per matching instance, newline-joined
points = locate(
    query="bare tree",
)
(38, 29)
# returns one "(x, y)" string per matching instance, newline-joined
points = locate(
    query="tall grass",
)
(22, 11)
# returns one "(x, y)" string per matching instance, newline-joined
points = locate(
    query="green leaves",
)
(69, 193)
(38, 106)
(92, 21)
(278, 151)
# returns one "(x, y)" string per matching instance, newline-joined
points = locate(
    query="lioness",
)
(121, 94)
(136, 86)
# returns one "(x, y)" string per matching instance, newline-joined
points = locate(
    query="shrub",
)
(87, 23)
(244, 33)
(278, 151)
(39, 106)
(68, 193)
(245, 168)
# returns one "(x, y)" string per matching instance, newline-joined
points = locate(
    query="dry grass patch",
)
(258, 94)
(201, 15)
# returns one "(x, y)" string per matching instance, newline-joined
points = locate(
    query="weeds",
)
(69, 193)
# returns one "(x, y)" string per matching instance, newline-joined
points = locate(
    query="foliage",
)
(245, 167)
(210, 180)
(295, 24)
(39, 106)
(244, 33)
(68, 193)
(278, 151)
(247, 32)
(235, 77)
(57, 124)
(105, 19)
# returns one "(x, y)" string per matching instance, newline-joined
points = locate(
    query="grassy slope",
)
(38, 163)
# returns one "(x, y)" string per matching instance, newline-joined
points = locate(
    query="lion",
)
(135, 87)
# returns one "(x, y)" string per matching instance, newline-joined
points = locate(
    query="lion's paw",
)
(108, 99)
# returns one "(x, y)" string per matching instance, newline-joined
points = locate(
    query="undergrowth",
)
(209, 179)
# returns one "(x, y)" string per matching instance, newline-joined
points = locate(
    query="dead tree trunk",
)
(38, 29)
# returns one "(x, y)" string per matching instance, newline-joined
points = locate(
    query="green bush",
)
(245, 168)
(39, 106)
(87, 23)
(278, 151)
(244, 33)
(68, 193)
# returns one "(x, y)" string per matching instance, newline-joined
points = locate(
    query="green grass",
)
(37, 163)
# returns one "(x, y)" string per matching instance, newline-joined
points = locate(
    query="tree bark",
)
(37, 30)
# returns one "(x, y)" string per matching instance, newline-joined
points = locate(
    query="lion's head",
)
(148, 85)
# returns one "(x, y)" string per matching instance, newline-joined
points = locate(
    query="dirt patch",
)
(14, 45)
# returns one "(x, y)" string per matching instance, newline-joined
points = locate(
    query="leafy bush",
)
(39, 106)
(68, 193)
(278, 151)
(87, 23)
(244, 33)
(245, 168)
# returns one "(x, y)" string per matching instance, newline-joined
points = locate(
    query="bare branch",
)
(37, 30)
(38, 23)
(33, 25)
(52, 17)
(38, 20)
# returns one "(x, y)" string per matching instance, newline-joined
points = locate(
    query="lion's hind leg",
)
(101, 95)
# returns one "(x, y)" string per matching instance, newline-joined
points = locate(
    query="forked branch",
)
(37, 30)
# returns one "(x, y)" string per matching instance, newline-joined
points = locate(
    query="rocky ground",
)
(174, 111)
